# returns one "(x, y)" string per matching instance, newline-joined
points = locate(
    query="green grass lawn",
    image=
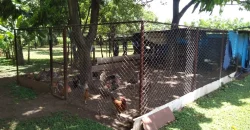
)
(43, 53)
(7, 69)
(57, 121)
(225, 109)
(40, 59)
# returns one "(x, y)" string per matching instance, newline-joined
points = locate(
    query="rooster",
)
(120, 105)
(59, 86)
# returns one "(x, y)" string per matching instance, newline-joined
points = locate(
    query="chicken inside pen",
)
(59, 88)
(120, 105)
(86, 94)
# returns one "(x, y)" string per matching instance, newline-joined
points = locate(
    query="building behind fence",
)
(147, 63)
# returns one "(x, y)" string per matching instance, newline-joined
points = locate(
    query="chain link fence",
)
(113, 84)
(127, 68)
(178, 61)
(32, 58)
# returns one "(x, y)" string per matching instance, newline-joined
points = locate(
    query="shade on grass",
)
(225, 109)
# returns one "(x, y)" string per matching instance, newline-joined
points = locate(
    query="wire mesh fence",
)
(114, 72)
(32, 57)
(127, 68)
(181, 60)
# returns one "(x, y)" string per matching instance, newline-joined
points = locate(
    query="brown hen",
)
(119, 104)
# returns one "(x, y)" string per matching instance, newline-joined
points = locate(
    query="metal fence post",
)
(51, 56)
(141, 68)
(17, 63)
(195, 59)
(65, 64)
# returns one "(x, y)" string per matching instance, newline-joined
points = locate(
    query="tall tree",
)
(9, 8)
(204, 5)
(111, 11)
(83, 43)
(10, 13)
(48, 12)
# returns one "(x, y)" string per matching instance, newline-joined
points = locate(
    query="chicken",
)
(113, 81)
(60, 88)
(86, 94)
(120, 105)
(76, 81)
(62, 92)
(43, 75)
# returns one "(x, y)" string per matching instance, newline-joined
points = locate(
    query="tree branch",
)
(186, 8)
(95, 7)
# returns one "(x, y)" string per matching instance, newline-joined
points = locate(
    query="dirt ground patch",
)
(43, 105)
(162, 88)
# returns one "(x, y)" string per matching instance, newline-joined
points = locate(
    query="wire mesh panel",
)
(33, 58)
(58, 49)
(210, 56)
(109, 84)
(121, 70)
(168, 65)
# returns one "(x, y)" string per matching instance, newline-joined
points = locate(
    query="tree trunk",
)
(177, 14)
(175, 22)
(176, 18)
(12, 52)
(6, 55)
(29, 52)
(83, 44)
(19, 52)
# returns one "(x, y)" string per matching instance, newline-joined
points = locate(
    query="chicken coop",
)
(124, 69)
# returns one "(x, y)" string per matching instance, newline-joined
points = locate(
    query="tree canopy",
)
(219, 23)
(202, 5)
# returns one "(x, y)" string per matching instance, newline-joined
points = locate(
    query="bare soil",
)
(160, 88)
(43, 105)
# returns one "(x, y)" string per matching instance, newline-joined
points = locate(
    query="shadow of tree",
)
(188, 119)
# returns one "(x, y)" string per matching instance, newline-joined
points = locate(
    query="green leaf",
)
(10, 35)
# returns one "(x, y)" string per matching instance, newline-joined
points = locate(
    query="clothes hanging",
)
(243, 49)
(233, 38)
(239, 45)
(228, 55)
